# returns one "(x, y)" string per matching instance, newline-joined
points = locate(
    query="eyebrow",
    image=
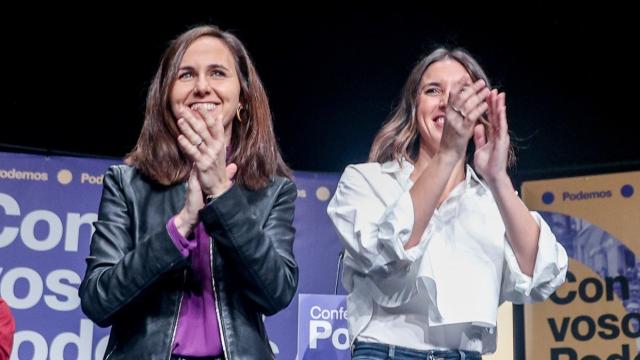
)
(432, 83)
(209, 67)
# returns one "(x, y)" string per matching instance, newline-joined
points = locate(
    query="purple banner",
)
(316, 249)
(47, 206)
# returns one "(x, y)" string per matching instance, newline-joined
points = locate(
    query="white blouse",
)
(443, 293)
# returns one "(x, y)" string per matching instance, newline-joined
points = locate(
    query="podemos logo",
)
(13, 174)
(626, 191)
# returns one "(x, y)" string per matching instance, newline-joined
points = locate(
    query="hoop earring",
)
(238, 113)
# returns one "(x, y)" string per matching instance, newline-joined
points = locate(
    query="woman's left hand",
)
(202, 140)
(492, 144)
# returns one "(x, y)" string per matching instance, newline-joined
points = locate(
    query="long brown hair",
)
(399, 137)
(253, 143)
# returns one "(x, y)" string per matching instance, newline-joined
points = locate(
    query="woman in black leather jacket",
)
(194, 238)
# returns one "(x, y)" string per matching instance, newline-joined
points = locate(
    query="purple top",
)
(198, 332)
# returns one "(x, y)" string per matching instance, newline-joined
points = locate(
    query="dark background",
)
(76, 79)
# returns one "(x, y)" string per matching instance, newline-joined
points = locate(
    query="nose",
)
(444, 99)
(202, 86)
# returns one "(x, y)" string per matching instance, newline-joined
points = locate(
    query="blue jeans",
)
(376, 351)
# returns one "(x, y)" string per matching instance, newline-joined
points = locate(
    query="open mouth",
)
(203, 106)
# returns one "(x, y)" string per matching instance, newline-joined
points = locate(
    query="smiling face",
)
(434, 90)
(207, 79)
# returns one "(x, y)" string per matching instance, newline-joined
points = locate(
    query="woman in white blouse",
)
(432, 247)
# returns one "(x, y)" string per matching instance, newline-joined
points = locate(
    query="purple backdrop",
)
(47, 205)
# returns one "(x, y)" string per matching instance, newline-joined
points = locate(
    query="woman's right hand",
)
(465, 105)
(187, 218)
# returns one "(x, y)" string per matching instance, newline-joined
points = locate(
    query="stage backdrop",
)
(47, 206)
(596, 313)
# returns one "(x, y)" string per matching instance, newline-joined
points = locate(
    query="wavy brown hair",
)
(254, 147)
(399, 137)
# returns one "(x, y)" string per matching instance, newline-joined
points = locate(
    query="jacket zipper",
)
(175, 326)
(217, 299)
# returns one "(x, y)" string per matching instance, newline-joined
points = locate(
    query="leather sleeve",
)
(260, 250)
(119, 267)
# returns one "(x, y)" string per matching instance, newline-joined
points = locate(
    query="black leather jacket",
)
(135, 274)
